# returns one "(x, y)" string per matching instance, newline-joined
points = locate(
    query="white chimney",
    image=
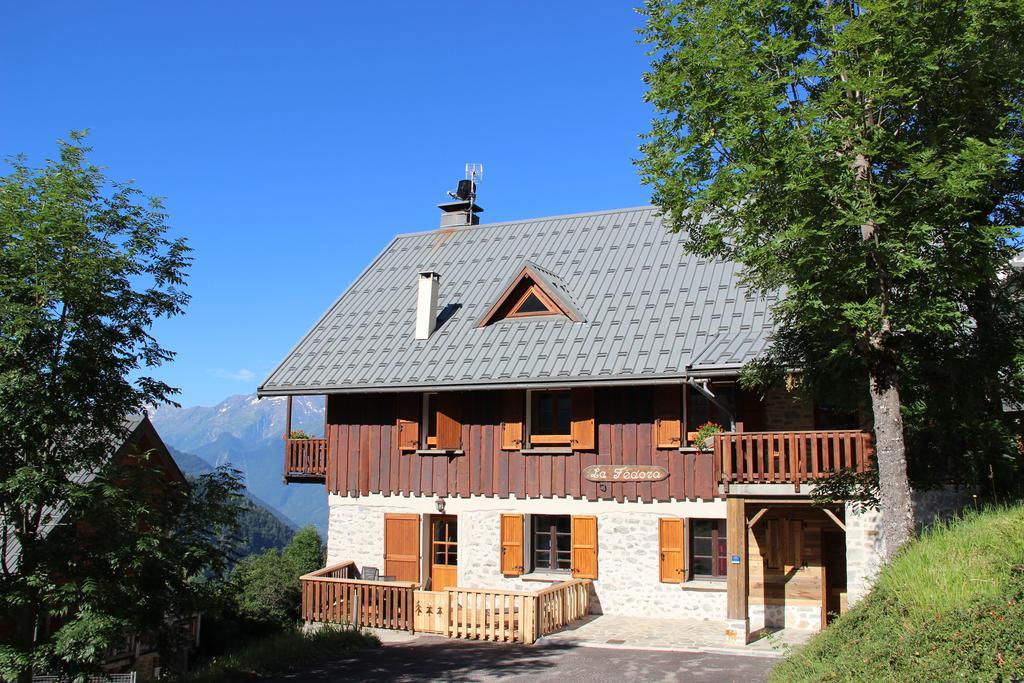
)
(426, 304)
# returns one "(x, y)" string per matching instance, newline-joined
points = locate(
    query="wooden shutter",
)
(449, 425)
(409, 422)
(584, 547)
(402, 547)
(512, 421)
(582, 419)
(796, 544)
(672, 547)
(667, 416)
(511, 545)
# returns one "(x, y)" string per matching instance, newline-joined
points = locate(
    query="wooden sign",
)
(630, 473)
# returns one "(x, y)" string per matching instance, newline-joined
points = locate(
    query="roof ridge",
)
(520, 221)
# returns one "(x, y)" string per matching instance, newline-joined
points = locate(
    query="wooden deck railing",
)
(305, 458)
(515, 616)
(789, 457)
(329, 595)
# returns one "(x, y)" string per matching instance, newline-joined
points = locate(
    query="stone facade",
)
(628, 580)
(863, 551)
(798, 617)
(783, 411)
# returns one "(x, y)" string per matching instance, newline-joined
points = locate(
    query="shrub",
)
(949, 607)
(281, 652)
(267, 586)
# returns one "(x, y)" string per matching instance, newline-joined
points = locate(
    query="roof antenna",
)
(466, 191)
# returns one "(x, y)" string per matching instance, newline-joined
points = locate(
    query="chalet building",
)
(513, 407)
(136, 658)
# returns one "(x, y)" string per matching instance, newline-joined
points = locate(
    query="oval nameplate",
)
(631, 473)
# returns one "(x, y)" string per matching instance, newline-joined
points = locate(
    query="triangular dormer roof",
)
(532, 291)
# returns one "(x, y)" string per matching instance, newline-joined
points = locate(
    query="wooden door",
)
(444, 552)
(402, 547)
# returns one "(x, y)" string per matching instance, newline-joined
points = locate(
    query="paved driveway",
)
(428, 658)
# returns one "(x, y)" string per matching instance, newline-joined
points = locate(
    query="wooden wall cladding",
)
(364, 453)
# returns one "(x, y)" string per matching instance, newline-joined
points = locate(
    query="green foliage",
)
(280, 653)
(266, 587)
(866, 158)
(260, 529)
(86, 267)
(950, 607)
(706, 430)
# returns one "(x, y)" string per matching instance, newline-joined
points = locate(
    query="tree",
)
(866, 158)
(86, 266)
(268, 590)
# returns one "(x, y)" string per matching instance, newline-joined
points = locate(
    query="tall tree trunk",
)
(893, 484)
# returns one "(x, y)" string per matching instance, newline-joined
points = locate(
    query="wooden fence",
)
(331, 595)
(304, 458)
(328, 595)
(515, 616)
(789, 457)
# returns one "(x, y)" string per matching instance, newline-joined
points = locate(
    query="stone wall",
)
(799, 617)
(783, 412)
(863, 551)
(628, 557)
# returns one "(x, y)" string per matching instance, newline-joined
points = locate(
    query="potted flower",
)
(704, 434)
(299, 434)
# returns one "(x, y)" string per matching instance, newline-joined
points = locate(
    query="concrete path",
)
(430, 658)
(670, 635)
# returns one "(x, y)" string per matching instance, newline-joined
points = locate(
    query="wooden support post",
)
(737, 624)
(288, 420)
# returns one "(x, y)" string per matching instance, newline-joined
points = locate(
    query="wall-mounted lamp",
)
(439, 503)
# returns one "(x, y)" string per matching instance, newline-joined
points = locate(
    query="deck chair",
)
(369, 573)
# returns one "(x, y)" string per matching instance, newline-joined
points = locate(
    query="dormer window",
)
(533, 292)
(533, 303)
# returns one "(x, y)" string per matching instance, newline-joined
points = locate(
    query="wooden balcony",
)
(305, 460)
(789, 457)
(334, 595)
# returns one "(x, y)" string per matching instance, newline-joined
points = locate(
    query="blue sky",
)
(292, 140)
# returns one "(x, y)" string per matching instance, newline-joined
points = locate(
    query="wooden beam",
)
(288, 420)
(835, 519)
(756, 518)
(736, 544)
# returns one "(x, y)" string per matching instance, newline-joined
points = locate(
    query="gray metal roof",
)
(650, 311)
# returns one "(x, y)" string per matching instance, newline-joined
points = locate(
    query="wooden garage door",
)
(402, 547)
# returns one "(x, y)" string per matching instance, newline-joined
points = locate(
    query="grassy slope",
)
(281, 653)
(950, 607)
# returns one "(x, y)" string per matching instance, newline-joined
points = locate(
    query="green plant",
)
(299, 434)
(949, 607)
(706, 430)
(281, 652)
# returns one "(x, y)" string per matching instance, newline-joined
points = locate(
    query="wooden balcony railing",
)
(305, 458)
(789, 457)
(329, 595)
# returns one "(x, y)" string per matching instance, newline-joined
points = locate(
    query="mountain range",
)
(247, 432)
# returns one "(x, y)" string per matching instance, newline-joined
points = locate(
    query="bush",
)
(280, 653)
(267, 586)
(950, 607)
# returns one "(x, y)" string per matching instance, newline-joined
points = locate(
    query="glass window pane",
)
(702, 547)
(702, 566)
(563, 524)
(453, 558)
(702, 527)
(532, 305)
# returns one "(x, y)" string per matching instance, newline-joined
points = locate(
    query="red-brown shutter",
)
(584, 547)
(667, 416)
(449, 425)
(408, 422)
(582, 419)
(512, 421)
(402, 547)
(511, 545)
(672, 546)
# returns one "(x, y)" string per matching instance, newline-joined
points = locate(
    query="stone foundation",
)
(628, 580)
(800, 617)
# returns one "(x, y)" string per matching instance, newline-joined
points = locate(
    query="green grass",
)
(949, 608)
(281, 653)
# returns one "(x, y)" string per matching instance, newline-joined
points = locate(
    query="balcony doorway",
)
(444, 552)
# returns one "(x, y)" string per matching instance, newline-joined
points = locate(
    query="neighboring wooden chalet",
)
(512, 414)
(137, 655)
